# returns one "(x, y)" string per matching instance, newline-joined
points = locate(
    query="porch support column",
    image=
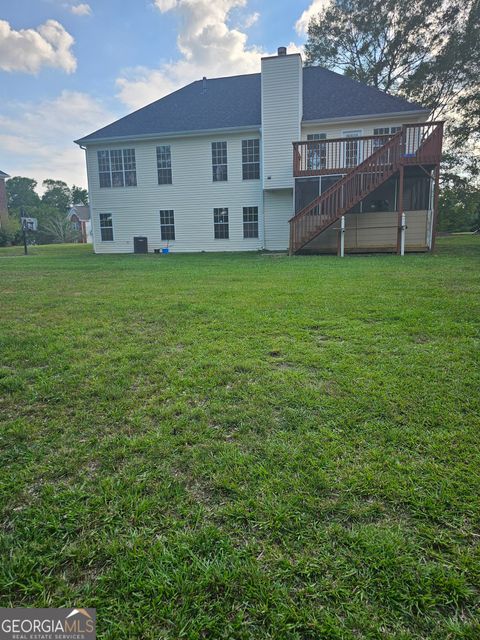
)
(341, 238)
(402, 235)
(400, 210)
(435, 205)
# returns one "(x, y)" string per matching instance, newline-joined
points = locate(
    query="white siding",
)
(281, 116)
(278, 206)
(193, 196)
(336, 130)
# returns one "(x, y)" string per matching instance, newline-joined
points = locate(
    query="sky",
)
(69, 67)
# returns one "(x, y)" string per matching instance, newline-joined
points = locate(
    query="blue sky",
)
(68, 67)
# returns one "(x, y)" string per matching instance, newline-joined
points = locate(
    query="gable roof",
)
(3, 175)
(81, 210)
(235, 103)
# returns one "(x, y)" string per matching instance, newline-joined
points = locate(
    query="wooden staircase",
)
(418, 144)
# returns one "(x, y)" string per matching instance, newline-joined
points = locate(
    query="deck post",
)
(341, 238)
(400, 209)
(402, 235)
(435, 206)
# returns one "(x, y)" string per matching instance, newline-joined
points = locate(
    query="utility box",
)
(140, 244)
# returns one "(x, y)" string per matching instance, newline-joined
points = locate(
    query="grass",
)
(243, 446)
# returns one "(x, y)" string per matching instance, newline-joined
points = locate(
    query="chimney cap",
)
(282, 51)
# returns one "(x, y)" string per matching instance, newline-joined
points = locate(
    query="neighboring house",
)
(3, 198)
(79, 216)
(266, 161)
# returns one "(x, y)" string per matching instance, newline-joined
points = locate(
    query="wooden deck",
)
(366, 162)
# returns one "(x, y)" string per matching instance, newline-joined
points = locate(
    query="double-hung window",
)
(106, 227)
(164, 164)
(167, 224)
(219, 161)
(250, 222)
(317, 151)
(117, 168)
(220, 223)
(251, 159)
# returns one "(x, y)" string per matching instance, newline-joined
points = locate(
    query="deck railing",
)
(340, 155)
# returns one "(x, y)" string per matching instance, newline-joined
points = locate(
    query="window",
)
(117, 168)
(317, 153)
(104, 168)
(250, 222)
(130, 167)
(219, 161)
(164, 164)
(220, 223)
(383, 131)
(106, 227)
(251, 159)
(167, 224)
(351, 148)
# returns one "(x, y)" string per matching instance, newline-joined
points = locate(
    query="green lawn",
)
(243, 446)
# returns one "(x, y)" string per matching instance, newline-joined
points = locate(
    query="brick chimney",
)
(3, 198)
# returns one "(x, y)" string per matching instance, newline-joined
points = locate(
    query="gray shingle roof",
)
(3, 174)
(82, 211)
(327, 94)
(235, 102)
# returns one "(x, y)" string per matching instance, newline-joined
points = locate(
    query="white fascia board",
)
(168, 135)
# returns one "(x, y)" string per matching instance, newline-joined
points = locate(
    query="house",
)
(3, 198)
(79, 216)
(295, 157)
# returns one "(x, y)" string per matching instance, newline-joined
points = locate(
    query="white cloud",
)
(316, 7)
(251, 19)
(36, 139)
(208, 44)
(82, 9)
(28, 50)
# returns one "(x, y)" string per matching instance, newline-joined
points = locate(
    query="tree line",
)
(50, 210)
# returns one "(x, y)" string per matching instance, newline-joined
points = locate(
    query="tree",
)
(59, 228)
(50, 210)
(459, 201)
(10, 232)
(459, 208)
(57, 194)
(21, 193)
(423, 50)
(79, 195)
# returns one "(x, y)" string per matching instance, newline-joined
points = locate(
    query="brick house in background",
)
(79, 216)
(3, 198)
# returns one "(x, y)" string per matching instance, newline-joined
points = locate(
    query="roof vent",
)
(204, 84)
(282, 51)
